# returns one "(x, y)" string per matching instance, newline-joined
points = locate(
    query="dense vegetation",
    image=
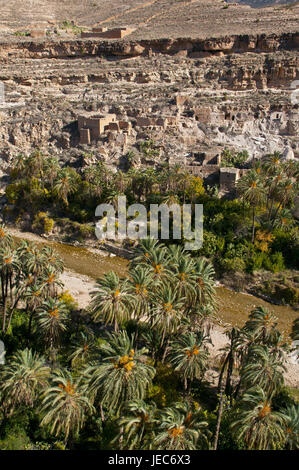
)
(130, 371)
(253, 231)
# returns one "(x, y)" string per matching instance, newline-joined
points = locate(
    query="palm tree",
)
(19, 165)
(23, 378)
(83, 348)
(273, 164)
(167, 310)
(66, 184)
(111, 300)
(137, 424)
(251, 189)
(204, 274)
(65, 405)
(51, 321)
(261, 325)
(9, 269)
(257, 424)
(180, 428)
(53, 258)
(263, 369)
(5, 237)
(51, 170)
(292, 427)
(140, 284)
(34, 298)
(144, 251)
(152, 339)
(121, 374)
(184, 279)
(50, 280)
(155, 255)
(189, 355)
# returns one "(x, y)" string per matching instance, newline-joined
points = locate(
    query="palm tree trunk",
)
(219, 416)
(253, 224)
(165, 350)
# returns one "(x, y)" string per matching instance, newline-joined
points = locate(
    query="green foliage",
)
(232, 264)
(212, 244)
(164, 390)
(236, 160)
(273, 262)
(42, 223)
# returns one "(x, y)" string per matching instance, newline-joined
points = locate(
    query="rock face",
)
(194, 48)
(193, 97)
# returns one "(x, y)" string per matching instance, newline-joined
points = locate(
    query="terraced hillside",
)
(152, 18)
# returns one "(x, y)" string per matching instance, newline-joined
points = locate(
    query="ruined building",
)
(95, 126)
(105, 33)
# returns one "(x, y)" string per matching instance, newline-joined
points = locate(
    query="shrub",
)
(68, 300)
(164, 389)
(232, 264)
(212, 244)
(262, 260)
(42, 223)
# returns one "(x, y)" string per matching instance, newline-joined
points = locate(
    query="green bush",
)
(164, 389)
(269, 262)
(232, 264)
(212, 244)
(42, 223)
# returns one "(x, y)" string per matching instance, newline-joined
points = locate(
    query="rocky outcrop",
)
(193, 47)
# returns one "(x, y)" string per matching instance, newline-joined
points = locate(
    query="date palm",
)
(180, 428)
(263, 369)
(251, 189)
(51, 170)
(66, 184)
(188, 355)
(292, 427)
(22, 378)
(83, 348)
(9, 270)
(137, 424)
(34, 298)
(155, 255)
(261, 325)
(65, 405)
(121, 373)
(184, 279)
(51, 321)
(50, 280)
(167, 310)
(111, 300)
(140, 283)
(257, 424)
(52, 258)
(204, 276)
(5, 237)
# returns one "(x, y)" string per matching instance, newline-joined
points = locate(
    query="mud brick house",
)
(228, 178)
(101, 32)
(91, 127)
